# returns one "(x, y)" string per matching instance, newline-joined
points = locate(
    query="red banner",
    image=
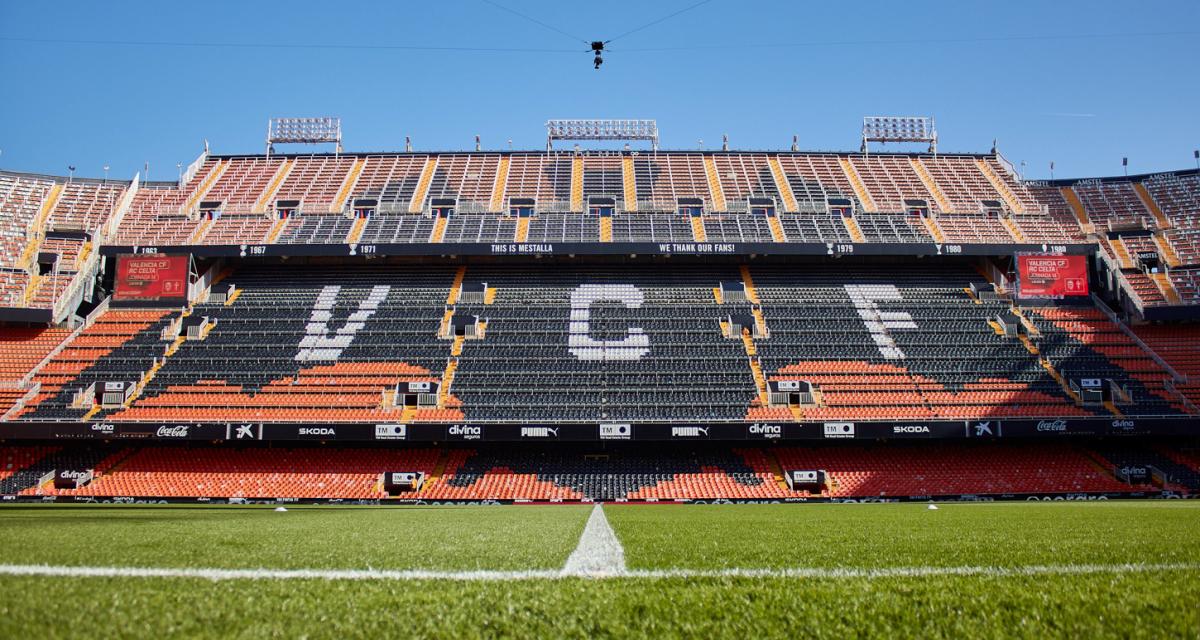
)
(151, 277)
(1051, 276)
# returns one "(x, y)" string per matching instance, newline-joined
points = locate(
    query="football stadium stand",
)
(572, 474)
(514, 344)
(599, 325)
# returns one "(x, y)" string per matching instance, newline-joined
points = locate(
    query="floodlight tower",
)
(601, 130)
(885, 129)
(304, 131)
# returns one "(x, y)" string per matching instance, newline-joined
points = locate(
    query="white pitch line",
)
(648, 574)
(599, 553)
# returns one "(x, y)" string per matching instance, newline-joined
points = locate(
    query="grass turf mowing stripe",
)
(651, 574)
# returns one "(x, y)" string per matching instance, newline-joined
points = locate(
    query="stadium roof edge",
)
(47, 176)
(1139, 177)
(506, 152)
(1060, 182)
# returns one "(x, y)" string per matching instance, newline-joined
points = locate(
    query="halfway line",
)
(645, 574)
(599, 552)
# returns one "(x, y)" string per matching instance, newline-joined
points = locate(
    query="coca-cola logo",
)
(1052, 425)
(177, 431)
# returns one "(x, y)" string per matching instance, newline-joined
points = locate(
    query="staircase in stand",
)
(760, 380)
(1121, 253)
(1112, 408)
(782, 186)
(629, 182)
(417, 205)
(714, 184)
(501, 184)
(930, 185)
(1167, 287)
(577, 184)
(1166, 250)
(447, 380)
(37, 228)
(439, 229)
(748, 281)
(356, 230)
(211, 179)
(276, 230)
(268, 194)
(459, 275)
(1085, 223)
(1013, 229)
(606, 234)
(1010, 198)
(860, 189)
(339, 201)
(777, 233)
(1062, 382)
(776, 468)
(934, 230)
(201, 231)
(852, 228)
(439, 469)
(1152, 206)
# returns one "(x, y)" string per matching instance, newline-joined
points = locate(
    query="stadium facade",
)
(599, 325)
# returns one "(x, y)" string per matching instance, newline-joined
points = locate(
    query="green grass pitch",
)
(1109, 603)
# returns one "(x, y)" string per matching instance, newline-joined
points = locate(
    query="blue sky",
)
(1027, 73)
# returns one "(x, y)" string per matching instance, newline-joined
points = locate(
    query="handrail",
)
(82, 276)
(87, 322)
(20, 403)
(200, 288)
(1112, 316)
(194, 167)
(1123, 282)
(117, 216)
(1012, 170)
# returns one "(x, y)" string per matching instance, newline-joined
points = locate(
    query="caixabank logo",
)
(243, 432)
(983, 428)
